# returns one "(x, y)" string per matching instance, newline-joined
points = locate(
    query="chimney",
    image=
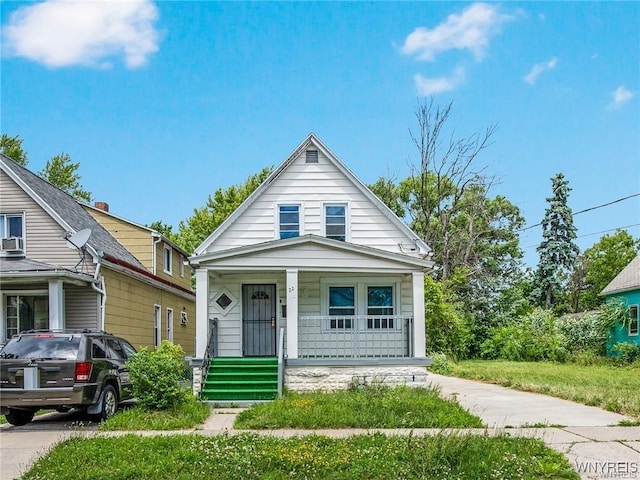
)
(104, 206)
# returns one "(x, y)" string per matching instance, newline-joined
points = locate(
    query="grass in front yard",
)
(251, 456)
(614, 388)
(372, 407)
(187, 415)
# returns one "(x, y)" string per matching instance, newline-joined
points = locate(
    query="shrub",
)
(627, 351)
(440, 364)
(156, 376)
(534, 337)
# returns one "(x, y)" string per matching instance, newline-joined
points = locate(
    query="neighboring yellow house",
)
(67, 265)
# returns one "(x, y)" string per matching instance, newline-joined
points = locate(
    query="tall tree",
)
(163, 228)
(602, 262)
(558, 251)
(61, 172)
(12, 148)
(194, 230)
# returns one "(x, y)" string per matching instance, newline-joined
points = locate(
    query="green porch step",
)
(241, 378)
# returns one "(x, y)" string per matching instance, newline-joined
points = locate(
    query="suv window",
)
(116, 349)
(98, 350)
(42, 347)
(128, 349)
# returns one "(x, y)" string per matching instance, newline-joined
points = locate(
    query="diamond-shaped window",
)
(224, 301)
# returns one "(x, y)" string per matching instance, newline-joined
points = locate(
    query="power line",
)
(587, 210)
(597, 233)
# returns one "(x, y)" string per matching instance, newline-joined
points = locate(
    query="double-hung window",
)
(342, 307)
(380, 307)
(633, 320)
(11, 232)
(335, 221)
(288, 221)
(167, 263)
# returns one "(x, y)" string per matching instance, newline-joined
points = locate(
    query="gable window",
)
(11, 232)
(167, 257)
(633, 320)
(335, 221)
(289, 221)
(380, 307)
(341, 305)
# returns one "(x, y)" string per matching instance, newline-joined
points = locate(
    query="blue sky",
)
(164, 102)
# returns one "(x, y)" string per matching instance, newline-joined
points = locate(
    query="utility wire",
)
(596, 233)
(588, 210)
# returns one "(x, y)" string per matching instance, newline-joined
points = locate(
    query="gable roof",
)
(314, 141)
(152, 232)
(66, 211)
(627, 279)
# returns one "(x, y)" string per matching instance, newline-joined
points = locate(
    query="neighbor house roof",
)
(627, 279)
(66, 211)
(315, 142)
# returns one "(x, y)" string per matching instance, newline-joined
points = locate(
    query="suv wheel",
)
(109, 401)
(19, 417)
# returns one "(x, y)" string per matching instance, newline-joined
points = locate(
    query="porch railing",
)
(355, 337)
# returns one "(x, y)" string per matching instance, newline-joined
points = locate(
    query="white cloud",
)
(433, 86)
(621, 95)
(61, 33)
(469, 30)
(538, 69)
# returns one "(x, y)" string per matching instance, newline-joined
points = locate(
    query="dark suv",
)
(63, 370)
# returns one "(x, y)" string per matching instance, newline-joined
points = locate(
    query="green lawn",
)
(373, 407)
(251, 456)
(614, 388)
(188, 415)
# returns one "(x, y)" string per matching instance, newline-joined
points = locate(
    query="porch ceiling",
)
(312, 253)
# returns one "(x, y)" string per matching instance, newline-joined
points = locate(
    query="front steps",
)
(238, 379)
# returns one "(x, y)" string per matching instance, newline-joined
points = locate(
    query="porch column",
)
(56, 305)
(419, 336)
(292, 313)
(202, 311)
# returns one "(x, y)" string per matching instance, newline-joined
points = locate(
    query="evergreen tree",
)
(558, 251)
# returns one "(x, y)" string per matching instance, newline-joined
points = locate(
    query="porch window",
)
(289, 221)
(380, 307)
(335, 221)
(633, 320)
(26, 312)
(341, 305)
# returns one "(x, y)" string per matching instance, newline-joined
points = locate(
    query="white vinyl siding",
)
(43, 237)
(313, 185)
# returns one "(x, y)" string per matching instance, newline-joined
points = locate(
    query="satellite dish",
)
(79, 239)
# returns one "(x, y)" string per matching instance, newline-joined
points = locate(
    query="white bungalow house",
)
(314, 254)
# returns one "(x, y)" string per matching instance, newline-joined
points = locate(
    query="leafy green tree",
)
(558, 251)
(194, 230)
(61, 172)
(12, 148)
(164, 228)
(602, 262)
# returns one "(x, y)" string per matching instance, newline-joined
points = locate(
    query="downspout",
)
(154, 255)
(99, 286)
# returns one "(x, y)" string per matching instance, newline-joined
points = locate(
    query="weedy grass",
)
(371, 407)
(251, 456)
(186, 415)
(612, 387)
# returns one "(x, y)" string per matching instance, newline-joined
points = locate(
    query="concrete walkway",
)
(587, 436)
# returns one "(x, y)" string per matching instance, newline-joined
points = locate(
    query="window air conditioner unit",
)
(13, 244)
